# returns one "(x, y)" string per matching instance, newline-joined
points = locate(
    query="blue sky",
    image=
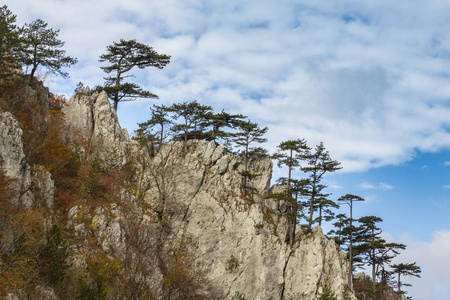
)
(368, 78)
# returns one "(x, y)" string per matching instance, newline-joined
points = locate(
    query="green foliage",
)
(193, 116)
(113, 159)
(154, 131)
(218, 122)
(10, 45)
(123, 57)
(327, 294)
(405, 269)
(318, 163)
(96, 281)
(249, 133)
(53, 256)
(238, 296)
(232, 264)
(346, 292)
(289, 154)
(79, 88)
(91, 291)
(42, 48)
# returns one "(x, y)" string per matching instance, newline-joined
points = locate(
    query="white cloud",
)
(367, 186)
(434, 261)
(366, 78)
(379, 186)
(385, 186)
(447, 163)
(447, 186)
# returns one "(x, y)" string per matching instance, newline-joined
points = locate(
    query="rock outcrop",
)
(236, 240)
(28, 181)
(13, 160)
(239, 240)
(92, 120)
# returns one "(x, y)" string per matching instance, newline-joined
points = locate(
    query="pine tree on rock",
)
(190, 113)
(378, 252)
(338, 234)
(249, 133)
(123, 57)
(324, 206)
(42, 48)
(349, 199)
(410, 269)
(318, 163)
(147, 132)
(289, 154)
(372, 243)
(218, 123)
(10, 45)
(53, 256)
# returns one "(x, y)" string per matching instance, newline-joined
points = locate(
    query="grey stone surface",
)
(92, 120)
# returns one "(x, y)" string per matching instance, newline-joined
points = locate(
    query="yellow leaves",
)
(59, 101)
(20, 242)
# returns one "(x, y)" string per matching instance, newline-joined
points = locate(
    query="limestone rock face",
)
(44, 187)
(314, 263)
(30, 182)
(239, 240)
(91, 117)
(13, 160)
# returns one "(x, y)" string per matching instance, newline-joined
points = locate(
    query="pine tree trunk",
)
(350, 254)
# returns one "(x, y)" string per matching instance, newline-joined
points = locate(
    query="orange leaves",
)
(20, 242)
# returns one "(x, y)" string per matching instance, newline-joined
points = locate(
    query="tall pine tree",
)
(349, 199)
(43, 48)
(318, 163)
(191, 114)
(289, 154)
(249, 133)
(10, 47)
(123, 57)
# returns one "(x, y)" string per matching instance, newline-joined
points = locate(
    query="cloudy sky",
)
(368, 78)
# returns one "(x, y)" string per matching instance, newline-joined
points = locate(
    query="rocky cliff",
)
(178, 200)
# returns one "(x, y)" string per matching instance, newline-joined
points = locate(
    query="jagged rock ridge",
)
(204, 185)
(236, 241)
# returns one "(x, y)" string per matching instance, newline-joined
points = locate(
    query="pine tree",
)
(123, 57)
(42, 48)
(249, 133)
(410, 269)
(147, 132)
(289, 154)
(53, 256)
(376, 250)
(324, 205)
(10, 45)
(340, 225)
(192, 113)
(349, 199)
(318, 163)
(217, 123)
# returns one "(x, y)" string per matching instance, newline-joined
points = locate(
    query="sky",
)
(369, 79)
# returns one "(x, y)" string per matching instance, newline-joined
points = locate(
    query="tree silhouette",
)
(349, 199)
(318, 163)
(10, 44)
(289, 154)
(123, 57)
(410, 269)
(42, 48)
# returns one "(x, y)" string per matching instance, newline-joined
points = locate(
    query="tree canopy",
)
(41, 47)
(10, 45)
(123, 57)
